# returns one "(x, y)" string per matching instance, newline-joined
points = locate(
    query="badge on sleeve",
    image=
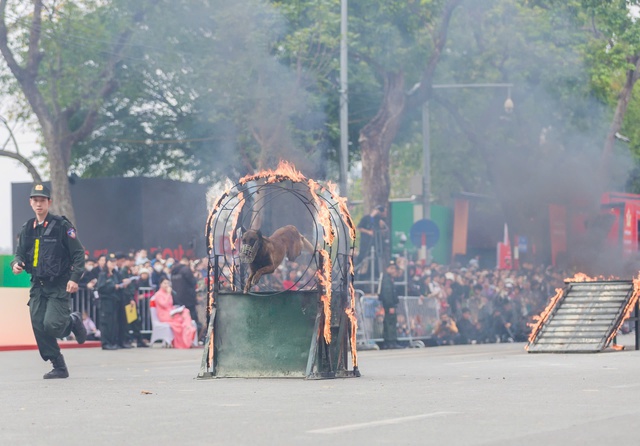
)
(71, 233)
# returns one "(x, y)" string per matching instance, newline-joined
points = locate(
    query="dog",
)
(264, 254)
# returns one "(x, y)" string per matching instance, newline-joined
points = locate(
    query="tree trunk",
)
(60, 190)
(618, 118)
(375, 142)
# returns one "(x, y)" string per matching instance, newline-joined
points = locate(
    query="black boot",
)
(59, 369)
(77, 327)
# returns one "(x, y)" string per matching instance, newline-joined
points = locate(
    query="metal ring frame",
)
(238, 207)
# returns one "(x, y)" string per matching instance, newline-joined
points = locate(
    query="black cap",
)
(111, 256)
(380, 208)
(40, 190)
(120, 255)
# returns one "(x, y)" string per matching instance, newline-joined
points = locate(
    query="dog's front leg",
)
(264, 270)
(247, 286)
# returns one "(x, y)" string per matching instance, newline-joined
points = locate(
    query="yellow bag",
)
(132, 312)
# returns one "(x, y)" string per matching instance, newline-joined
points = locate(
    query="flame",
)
(351, 314)
(542, 318)
(210, 353)
(324, 280)
(581, 277)
(344, 210)
(324, 216)
(628, 309)
(284, 171)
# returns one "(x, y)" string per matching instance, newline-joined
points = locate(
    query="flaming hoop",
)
(267, 201)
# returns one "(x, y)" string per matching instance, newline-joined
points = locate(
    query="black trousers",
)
(50, 311)
(108, 321)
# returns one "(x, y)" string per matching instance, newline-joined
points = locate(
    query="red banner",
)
(558, 230)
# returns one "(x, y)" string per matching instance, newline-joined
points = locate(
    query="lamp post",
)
(426, 137)
(344, 96)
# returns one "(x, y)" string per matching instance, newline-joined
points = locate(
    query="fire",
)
(542, 318)
(628, 309)
(344, 211)
(581, 277)
(324, 279)
(284, 171)
(351, 314)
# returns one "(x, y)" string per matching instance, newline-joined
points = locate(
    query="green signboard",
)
(10, 280)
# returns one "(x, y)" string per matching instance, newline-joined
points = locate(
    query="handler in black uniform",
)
(388, 297)
(49, 250)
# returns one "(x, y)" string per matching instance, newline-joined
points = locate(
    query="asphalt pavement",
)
(494, 394)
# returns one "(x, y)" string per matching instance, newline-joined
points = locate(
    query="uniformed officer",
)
(388, 297)
(109, 286)
(49, 250)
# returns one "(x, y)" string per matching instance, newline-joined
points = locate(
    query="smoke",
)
(246, 89)
(549, 149)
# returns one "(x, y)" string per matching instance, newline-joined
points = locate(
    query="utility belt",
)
(44, 281)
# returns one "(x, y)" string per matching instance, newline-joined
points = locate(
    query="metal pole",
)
(426, 162)
(344, 96)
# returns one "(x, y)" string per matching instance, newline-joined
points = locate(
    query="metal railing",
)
(87, 301)
(417, 317)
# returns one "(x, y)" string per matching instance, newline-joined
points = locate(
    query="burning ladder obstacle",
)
(306, 329)
(584, 316)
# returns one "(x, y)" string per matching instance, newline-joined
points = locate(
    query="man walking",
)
(49, 250)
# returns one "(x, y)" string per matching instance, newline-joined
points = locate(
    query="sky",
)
(11, 171)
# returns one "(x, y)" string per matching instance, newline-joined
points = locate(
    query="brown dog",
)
(265, 254)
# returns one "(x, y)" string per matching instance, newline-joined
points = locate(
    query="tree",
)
(67, 75)
(209, 90)
(396, 41)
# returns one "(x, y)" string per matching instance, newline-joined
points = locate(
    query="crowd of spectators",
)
(141, 278)
(468, 304)
(471, 304)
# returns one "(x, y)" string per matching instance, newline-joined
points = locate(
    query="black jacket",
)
(184, 284)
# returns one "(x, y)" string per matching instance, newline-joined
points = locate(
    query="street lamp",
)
(344, 104)
(426, 135)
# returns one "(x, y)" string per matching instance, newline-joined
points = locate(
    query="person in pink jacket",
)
(183, 330)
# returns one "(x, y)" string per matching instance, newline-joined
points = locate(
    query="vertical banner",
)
(630, 231)
(505, 260)
(557, 231)
(460, 227)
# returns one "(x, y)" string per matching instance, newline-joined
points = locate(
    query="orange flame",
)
(344, 210)
(542, 318)
(628, 309)
(351, 314)
(581, 277)
(284, 171)
(324, 279)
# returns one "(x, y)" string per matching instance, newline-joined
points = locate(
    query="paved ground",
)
(463, 395)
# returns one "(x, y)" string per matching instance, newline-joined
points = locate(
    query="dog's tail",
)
(306, 245)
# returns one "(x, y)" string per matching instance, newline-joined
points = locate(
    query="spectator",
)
(108, 287)
(184, 284)
(178, 317)
(144, 279)
(158, 275)
(468, 331)
(370, 226)
(446, 330)
(93, 334)
(141, 257)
